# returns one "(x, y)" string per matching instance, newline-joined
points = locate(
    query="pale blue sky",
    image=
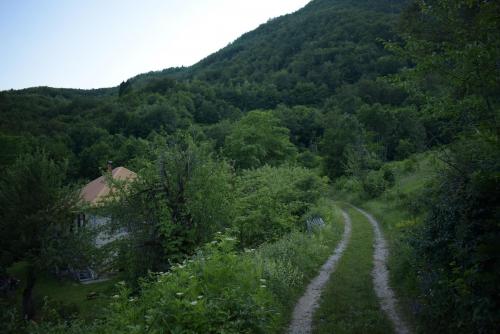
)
(99, 43)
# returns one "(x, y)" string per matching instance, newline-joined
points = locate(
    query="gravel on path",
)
(309, 302)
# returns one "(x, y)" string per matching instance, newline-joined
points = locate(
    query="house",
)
(94, 194)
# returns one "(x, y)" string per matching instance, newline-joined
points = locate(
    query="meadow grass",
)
(65, 293)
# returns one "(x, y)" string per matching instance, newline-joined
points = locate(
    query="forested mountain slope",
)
(301, 58)
(305, 58)
(344, 92)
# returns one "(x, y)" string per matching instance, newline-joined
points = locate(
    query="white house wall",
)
(103, 236)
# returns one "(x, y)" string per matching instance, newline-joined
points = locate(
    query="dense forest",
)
(235, 153)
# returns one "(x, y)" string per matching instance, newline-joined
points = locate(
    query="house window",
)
(81, 220)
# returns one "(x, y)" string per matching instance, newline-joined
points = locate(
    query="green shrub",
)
(59, 310)
(457, 253)
(388, 175)
(10, 318)
(348, 185)
(404, 149)
(410, 165)
(309, 159)
(374, 184)
(273, 200)
(218, 290)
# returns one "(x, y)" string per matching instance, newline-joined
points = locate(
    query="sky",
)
(100, 43)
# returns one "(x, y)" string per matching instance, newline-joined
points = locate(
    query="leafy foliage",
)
(456, 67)
(174, 205)
(456, 247)
(36, 208)
(37, 212)
(219, 289)
(273, 201)
(339, 87)
(258, 139)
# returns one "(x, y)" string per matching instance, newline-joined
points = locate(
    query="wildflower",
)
(194, 302)
(121, 283)
(214, 242)
(219, 232)
(262, 286)
(229, 239)
(179, 294)
(200, 297)
(116, 296)
(263, 280)
(132, 299)
(191, 277)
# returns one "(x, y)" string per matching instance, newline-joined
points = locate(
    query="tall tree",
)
(37, 210)
(455, 47)
(258, 139)
(174, 205)
(341, 131)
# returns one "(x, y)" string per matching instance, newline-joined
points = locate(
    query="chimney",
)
(110, 166)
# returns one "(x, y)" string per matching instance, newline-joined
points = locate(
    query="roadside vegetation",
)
(220, 288)
(404, 209)
(394, 105)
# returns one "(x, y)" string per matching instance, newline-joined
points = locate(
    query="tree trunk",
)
(28, 304)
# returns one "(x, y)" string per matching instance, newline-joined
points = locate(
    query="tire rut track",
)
(303, 313)
(380, 274)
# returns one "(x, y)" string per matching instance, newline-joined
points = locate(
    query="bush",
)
(309, 159)
(216, 291)
(404, 149)
(62, 310)
(456, 248)
(348, 185)
(273, 200)
(10, 318)
(388, 175)
(374, 183)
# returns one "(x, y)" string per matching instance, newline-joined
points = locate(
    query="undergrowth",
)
(221, 289)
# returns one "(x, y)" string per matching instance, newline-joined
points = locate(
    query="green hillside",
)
(392, 105)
